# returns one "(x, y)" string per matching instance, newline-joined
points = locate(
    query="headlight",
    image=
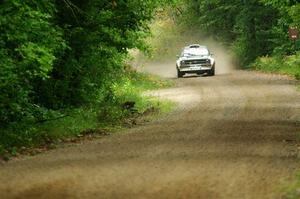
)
(182, 62)
(208, 61)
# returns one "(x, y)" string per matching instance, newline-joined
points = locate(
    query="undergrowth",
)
(293, 191)
(106, 116)
(288, 65)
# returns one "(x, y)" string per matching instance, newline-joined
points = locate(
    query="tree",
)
(64, 53)
(253, 27)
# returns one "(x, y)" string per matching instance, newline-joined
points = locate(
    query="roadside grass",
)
(94, 120)
(288, 65)
(293, 191)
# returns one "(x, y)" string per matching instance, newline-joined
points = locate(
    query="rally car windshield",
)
(195, 52)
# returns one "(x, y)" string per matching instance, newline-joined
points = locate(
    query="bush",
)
(29, 43)
(60, 56)
(289, 65)
(109, 112)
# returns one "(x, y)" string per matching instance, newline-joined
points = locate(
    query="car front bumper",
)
(195, 69)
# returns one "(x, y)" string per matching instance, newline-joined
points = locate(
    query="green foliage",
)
(73, 122)
(254, 28)
(289, 65)
(99, 34)
(59, 56)
(29, 45)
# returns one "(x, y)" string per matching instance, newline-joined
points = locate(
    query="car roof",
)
(194, 49)
(195, 46)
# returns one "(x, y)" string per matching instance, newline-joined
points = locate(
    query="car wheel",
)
(179, 74)
(212, 71)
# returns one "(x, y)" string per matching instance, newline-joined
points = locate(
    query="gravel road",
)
(231, 136)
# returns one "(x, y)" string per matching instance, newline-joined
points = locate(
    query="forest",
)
(255, 30)
(64, 57)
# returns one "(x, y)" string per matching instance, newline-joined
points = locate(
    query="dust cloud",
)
(167, 42)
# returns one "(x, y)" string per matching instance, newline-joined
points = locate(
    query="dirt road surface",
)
(231, 136)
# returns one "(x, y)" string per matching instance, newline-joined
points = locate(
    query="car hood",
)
(194, 57)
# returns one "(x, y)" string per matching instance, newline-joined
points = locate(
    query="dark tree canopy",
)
(61, 53)
(255, 27)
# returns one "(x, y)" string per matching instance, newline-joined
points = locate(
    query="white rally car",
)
(195, 59)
